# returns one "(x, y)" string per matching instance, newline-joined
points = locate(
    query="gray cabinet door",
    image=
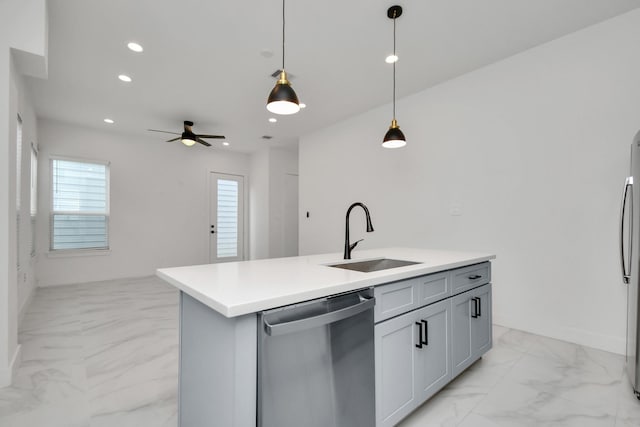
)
(471, 327)
(461, 349)
(481, 336)
(433, 359)
(395, 341)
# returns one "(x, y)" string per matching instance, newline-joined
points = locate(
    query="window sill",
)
(66, 253)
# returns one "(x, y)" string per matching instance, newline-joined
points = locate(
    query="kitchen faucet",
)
(348, 247)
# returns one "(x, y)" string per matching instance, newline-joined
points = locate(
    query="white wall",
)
(532, 150)
(159, 213)
(259, 205)
(283, 168)
(271, 199)
(23, 38)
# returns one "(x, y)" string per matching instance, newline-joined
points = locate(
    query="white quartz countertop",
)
(238, 288)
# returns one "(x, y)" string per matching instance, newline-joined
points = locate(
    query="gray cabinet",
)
(428, 330)
(470, 277)
(471, 327)
(433, 359)
(412, 360)
(395, 356)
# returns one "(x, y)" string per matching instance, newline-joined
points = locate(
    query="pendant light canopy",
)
(283, 99)
(394, 138)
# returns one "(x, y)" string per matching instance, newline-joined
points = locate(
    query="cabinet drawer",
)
(395, 298)
(433, 287)
(470, 277)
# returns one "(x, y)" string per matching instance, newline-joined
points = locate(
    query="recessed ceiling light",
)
(225, 143)
(124, 78)
(108, 121)
(273, 119)
(391, 59)
(135, 47)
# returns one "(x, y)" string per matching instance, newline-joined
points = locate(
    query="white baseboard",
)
(612, 344)
(7, 374)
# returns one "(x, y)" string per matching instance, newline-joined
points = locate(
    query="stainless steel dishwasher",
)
(316, 363)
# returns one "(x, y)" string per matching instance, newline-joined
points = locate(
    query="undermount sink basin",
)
(374, 264)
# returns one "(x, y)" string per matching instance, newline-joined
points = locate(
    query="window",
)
(18, 186)
(79, 205)
(34, 196)
(227, 218)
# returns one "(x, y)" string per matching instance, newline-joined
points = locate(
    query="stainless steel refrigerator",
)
(630, 260)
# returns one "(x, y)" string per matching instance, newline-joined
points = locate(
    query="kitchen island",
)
(219, 328)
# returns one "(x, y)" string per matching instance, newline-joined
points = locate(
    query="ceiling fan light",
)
(188, 139)
(394, 138)
(283, 99)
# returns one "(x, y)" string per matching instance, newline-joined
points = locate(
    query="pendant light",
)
(394, 138)
(283, 99)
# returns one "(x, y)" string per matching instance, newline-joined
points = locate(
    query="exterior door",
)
(226, 218)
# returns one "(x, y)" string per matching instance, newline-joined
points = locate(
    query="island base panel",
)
(218, 360)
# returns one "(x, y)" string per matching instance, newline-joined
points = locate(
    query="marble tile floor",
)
(105, 354)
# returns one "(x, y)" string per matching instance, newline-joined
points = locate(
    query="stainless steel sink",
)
(373, 264)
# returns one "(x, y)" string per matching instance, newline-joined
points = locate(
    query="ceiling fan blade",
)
(163, 131)
(174, 139)
(203, 142)
(212, 136)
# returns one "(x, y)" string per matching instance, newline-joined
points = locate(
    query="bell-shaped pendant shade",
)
(394, 138)
(283, 99)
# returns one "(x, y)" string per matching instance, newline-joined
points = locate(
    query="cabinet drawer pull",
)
(474, 277)
(419, 345)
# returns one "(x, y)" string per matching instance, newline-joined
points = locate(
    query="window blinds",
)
(80, 208)
(227, 218)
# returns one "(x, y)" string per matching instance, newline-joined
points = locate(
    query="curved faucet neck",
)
(348, 247)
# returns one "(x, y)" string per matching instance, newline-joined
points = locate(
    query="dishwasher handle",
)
(320, 320)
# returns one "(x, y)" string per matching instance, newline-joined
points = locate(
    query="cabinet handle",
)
(423, 333)
(474, 277)
(475, 308)
(479, 307)
(426, 332)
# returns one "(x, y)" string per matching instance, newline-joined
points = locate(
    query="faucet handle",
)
(354, 244)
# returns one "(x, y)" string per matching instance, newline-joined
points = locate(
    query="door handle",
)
(419, 345)
(426, 332)
(475, 307)
(423, 333)
(626, 276)
(297, 325)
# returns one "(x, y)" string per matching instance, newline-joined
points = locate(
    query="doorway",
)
(226, 218)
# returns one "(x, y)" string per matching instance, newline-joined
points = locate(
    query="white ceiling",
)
(203, 62)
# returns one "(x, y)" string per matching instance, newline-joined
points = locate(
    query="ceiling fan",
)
(189, 138)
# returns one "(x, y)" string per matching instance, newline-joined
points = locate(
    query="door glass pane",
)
(227, 218)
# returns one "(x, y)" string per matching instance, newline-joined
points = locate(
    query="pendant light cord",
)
(394, 66)
(282, 35)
